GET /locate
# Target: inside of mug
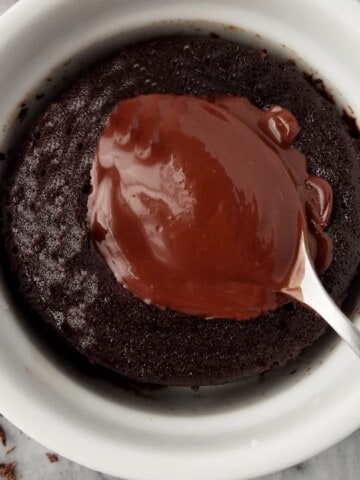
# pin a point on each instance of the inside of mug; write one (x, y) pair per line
(173, 400)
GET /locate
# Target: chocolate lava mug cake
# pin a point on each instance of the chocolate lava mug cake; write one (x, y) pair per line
(68, 259)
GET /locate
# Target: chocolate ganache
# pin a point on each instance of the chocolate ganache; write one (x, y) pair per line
(183, 212)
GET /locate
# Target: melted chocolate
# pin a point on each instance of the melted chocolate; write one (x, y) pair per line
(184, 214)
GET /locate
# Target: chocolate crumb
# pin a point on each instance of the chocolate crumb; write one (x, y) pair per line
(263, 53)
(7, 470)
(10, 450)
(22, 114)
(2, 436)
(52, 457)
(319, 86)
(351, 123)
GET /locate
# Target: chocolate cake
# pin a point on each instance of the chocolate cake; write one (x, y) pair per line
(62, 277)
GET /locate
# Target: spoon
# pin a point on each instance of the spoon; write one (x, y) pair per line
(312, 294)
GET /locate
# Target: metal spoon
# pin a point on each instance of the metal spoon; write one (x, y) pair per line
(312, 294)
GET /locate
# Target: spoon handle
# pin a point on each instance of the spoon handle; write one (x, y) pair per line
(312, 294)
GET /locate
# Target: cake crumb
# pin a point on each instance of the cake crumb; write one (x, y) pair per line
(53, 458)
(7, 470)
(2, 436)
(263, 53)
(23, 113)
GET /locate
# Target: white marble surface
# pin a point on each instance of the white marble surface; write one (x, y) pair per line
(338, 463)
(341, 462)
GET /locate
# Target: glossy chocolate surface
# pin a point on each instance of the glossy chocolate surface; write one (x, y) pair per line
(184, 214)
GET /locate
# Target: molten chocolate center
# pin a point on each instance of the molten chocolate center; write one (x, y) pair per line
(199, 205)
